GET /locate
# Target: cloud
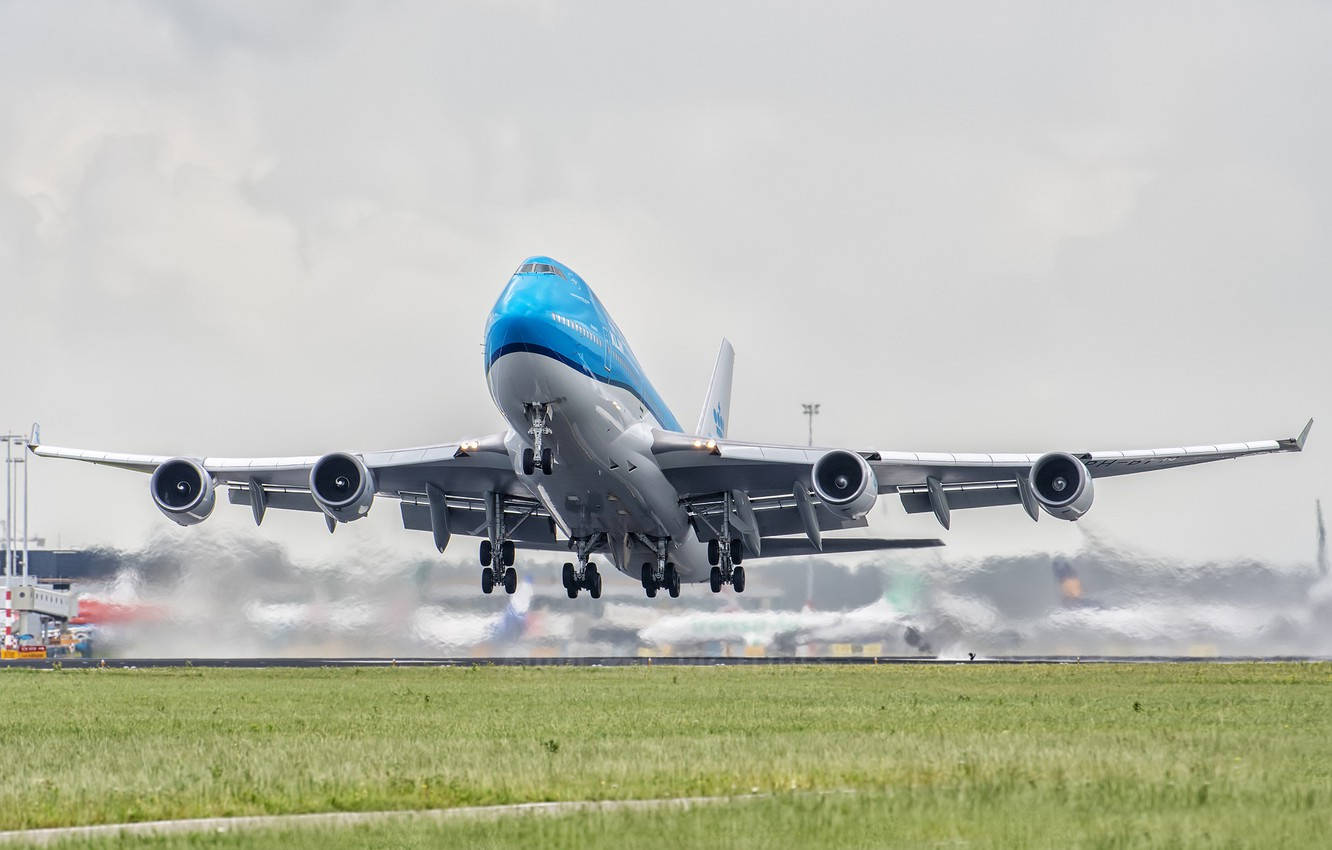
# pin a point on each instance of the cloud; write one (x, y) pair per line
(241, 229)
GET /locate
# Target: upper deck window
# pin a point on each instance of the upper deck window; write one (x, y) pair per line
(539, 268)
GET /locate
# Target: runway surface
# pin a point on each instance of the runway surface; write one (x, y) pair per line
(637, 661)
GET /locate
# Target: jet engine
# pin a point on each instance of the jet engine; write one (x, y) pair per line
(845, 483)
(1062, 485)
(342, 486)
(183, 490)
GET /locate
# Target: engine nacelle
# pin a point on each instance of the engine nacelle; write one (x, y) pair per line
(183, 490)
(343, 486)
(845, 483)
(1062, 485)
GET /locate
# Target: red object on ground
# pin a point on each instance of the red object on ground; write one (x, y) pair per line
(95, 611)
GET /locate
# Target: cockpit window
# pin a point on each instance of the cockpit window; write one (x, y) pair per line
(539, 268)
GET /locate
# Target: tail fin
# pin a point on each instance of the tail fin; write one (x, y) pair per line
(717, 406)
(1322, 540)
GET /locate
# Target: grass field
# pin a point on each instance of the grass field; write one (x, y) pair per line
(953, 755)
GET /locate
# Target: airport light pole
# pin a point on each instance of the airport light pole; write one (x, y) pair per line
(811, 410)
(11, 506)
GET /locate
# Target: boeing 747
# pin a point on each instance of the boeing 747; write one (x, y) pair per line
(593, 461)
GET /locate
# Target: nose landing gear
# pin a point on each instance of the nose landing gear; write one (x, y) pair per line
(539, 456)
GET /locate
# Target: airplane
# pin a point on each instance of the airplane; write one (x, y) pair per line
(593, 461)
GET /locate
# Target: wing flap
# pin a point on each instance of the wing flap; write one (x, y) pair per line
(986, 495)
(781, 547)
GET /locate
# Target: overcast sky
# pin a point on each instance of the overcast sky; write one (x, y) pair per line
(277, 228)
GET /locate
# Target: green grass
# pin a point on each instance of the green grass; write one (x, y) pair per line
(1164, 755)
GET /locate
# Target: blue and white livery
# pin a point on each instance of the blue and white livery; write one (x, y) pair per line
(594, 463)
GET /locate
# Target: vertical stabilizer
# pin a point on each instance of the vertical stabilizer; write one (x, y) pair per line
(717, 406)
(1322, 541)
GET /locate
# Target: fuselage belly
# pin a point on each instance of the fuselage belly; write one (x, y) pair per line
(548, 342)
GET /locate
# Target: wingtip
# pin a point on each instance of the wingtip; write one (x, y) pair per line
(1296, 444)
(1304, 436)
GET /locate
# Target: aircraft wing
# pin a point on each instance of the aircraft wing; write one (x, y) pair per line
(701, 468)
(461, 474)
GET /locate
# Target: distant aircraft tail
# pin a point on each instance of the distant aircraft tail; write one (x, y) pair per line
(1322, 540)
(717, 406)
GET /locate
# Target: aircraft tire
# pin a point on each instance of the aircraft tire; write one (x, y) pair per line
(647, 576)
(547, 461)
(714, 580)
(595, 589)
(737, 551)
(714, 552)
(738, 579)
(510, 580)
(506, 553)
(671, 581)
(651, 591)
(487, 580)
(487, 552)
(572, 590)
(529, 462)
(567, 574)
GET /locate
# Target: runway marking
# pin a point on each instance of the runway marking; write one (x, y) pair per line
(50, 835)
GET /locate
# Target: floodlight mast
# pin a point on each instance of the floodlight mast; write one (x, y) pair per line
(12, 529)
(811, 410)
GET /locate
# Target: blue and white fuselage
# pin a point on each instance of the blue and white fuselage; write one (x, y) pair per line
(549, 341)
(591, 450)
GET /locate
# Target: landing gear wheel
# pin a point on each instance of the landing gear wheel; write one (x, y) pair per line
(738, 579)
(510, 580)
(572, 590)
(714, 580)
(594, 582)
(647, 577)
(529, 462)
(671, 581)
(737, 551)
(714, 552)
(651, 591)
(487, 552)
(547, 460)
(567, 575)
(487, 580)
(506, 554)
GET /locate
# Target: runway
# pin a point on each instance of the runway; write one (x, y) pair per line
(639, 661)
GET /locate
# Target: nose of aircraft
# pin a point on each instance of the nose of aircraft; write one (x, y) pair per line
(522, 311)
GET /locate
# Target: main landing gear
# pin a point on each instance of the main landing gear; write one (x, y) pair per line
(497, 551)
(502, 573)
(726, 556)
(539, 456)
(585, 576)
(663, 575)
